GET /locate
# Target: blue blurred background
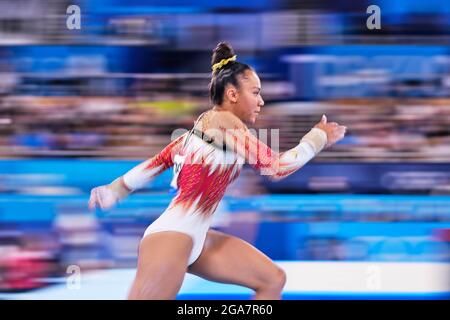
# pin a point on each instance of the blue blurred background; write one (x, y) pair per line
(369, 217)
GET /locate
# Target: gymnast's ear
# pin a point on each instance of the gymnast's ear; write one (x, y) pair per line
(231, 93)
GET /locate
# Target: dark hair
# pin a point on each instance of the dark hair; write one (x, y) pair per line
(226, 74)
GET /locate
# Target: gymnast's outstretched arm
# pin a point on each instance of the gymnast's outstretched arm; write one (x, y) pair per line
(229, 129)
(107, 196)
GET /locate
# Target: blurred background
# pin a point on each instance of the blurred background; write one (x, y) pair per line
(367, 218)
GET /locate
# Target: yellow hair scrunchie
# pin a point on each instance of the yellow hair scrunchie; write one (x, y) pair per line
(222, 62)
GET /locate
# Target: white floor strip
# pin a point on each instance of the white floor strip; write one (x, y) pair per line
(303, 277)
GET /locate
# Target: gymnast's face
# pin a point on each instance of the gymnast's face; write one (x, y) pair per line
(247, 100)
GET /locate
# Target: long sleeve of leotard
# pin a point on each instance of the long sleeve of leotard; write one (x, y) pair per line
(260, 156)
(144, 172)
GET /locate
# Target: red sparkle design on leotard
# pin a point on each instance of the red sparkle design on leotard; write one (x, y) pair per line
(257, 154)
(197, 183)
(263, 158)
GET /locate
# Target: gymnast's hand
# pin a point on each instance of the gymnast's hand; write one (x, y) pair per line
(334, 131)
(102, 197)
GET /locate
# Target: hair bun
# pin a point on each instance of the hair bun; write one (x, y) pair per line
(223, 50)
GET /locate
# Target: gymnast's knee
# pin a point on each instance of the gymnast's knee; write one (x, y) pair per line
(275, 280)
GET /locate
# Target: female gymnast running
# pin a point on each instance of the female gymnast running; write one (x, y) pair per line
(206, 160)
